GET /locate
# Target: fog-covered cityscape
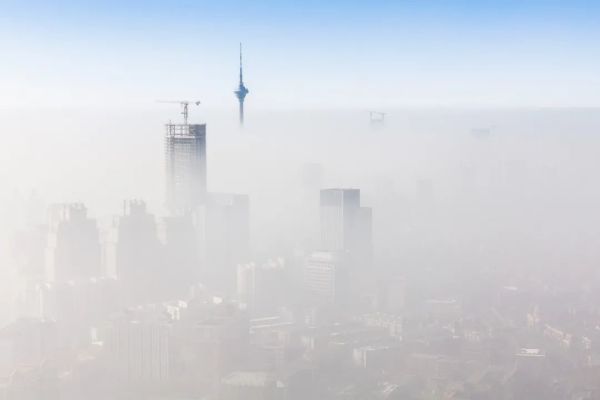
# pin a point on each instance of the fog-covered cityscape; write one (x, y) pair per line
(179, 244)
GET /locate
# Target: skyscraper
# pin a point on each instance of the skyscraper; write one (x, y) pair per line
(73, 248)
(345, 225)
(242, 91)
(262, 287)
(346, 229)
(181, 253)
(138, 252)
(226, 229)
(325, 277)
(185, 153)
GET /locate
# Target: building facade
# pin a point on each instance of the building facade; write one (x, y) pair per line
(185, 156)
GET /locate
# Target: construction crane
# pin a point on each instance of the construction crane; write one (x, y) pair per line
(184, 104)
(377, 116)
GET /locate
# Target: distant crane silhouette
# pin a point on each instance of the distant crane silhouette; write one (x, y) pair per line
(377, 117)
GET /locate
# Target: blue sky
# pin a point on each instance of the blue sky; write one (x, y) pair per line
(301, 54)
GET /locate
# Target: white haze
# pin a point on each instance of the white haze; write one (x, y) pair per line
(460, 197)
(536, 167)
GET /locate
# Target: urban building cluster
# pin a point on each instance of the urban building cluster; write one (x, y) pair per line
(178, 306)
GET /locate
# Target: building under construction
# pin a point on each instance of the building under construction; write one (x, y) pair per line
(185, 156)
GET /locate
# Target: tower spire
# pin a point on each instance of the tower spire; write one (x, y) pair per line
(241, 73)
(241, 91)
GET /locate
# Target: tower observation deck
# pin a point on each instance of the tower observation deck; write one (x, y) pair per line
(241, 91)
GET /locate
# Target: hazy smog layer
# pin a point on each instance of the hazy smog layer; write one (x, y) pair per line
(330, 252)
(299, 200)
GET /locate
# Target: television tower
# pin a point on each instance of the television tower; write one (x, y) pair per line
(242, 91)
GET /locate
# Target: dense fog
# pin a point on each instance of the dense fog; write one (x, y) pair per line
(463, 265)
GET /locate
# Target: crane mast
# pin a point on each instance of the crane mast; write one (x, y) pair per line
(184, 105)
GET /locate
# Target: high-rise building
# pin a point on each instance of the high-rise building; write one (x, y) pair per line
(241, 91)
(325, 277)
(346, 229)
(225, 225)
(138, 344)
(185, 154)
(138, 252)
(78, 305)
(73, 247)
(210, 340)
(181, 269)
(262, 287)
(345, 225)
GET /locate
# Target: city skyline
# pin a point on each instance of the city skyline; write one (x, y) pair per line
(410, 212)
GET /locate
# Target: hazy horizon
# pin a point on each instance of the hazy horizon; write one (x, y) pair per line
(398, 201)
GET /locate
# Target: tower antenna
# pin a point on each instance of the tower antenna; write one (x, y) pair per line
(242, 91)
(241, 65)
